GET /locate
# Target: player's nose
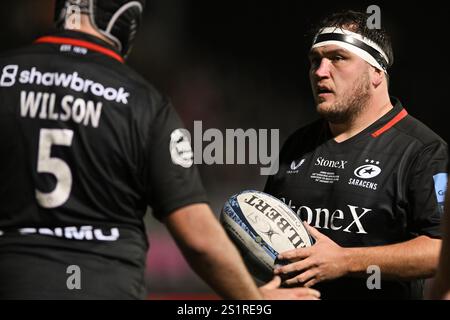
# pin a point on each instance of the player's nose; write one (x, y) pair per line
(323, 69)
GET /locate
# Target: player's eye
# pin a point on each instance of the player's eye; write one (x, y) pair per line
(337, 58)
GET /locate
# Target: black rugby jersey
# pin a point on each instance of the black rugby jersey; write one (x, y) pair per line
(383, 186)
(86, 144)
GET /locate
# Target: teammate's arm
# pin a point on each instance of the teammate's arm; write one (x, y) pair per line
(209, 252)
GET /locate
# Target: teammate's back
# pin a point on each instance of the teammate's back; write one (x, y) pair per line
(74, 138)
(81, 139)
(72, 117)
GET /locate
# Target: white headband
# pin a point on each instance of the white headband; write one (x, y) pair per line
(363, 47)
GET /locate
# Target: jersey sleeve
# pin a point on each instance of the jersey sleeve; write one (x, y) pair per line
(426, 189)
(173, 181)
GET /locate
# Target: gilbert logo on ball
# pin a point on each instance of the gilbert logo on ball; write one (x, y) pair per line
(262, 226)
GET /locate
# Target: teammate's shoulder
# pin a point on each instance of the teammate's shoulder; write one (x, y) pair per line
(416, 130)
(139, 81)
(10, 54)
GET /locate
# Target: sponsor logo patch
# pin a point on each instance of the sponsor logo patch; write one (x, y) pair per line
(295, 165)
(322, 162)
(440, 186)
(180, 149)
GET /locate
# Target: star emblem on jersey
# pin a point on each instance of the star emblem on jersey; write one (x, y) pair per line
(368, 170)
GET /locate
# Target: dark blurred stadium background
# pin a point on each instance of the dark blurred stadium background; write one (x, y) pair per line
(243, 64)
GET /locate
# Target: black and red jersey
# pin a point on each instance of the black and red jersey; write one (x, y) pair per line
(383, 186)
(86, 145)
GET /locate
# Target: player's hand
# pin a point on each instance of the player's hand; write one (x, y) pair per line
(272, 291)
(325, 260)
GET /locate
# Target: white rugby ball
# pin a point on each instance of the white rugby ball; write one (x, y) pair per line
(262, 226)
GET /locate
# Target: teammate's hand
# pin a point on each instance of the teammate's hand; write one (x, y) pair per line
(272, 291)
(325, 260)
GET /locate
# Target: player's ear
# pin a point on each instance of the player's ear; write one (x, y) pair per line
(377, 76)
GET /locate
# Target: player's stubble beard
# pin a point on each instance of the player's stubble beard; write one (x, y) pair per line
(352, 103)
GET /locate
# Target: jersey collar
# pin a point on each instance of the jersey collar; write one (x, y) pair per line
(84, 40)
(389, 120)
(375, 130)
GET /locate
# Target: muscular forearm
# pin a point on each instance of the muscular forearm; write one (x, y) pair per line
(219, 260)
(210, 253)
(416, 258)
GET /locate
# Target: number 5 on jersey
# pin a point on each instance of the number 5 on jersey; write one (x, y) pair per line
(54, 166)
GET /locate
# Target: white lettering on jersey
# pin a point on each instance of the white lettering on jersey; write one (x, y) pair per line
(75, 233)
(10, 75)
(322, 219)
(340, 164)
(78, 110)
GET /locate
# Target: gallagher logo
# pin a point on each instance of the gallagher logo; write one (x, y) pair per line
(440, 186)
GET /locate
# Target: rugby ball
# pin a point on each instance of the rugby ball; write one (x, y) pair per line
(262, 226)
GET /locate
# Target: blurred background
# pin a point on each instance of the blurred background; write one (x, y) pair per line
(243, 64)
